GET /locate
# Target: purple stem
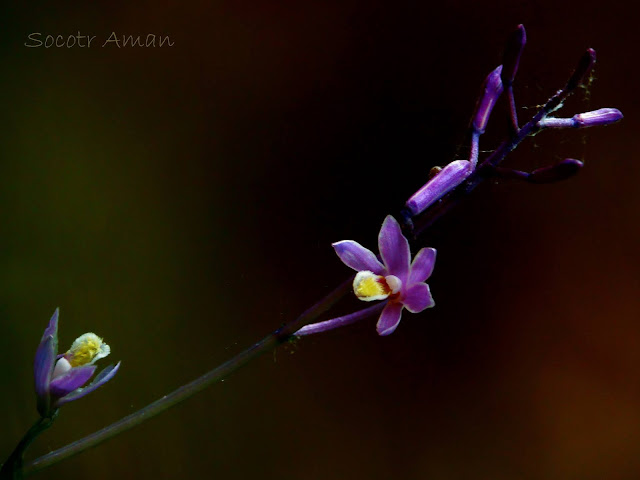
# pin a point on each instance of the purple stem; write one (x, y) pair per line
(510, 61)
(475, 148)
(267, 344)
(340, 321)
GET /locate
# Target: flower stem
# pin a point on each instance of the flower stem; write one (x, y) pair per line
(341, 321)
(267, 344)
(12, 468)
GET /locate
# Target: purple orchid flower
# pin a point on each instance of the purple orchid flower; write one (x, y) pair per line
(60, 379)
(395, 279)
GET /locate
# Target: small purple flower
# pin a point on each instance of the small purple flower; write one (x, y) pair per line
(59, 379)
(396, 279)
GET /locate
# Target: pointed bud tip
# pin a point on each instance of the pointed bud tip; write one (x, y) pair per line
(572, 163)
(585, 64)
(512, 53)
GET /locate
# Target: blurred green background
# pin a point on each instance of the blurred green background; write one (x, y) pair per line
(181, 203)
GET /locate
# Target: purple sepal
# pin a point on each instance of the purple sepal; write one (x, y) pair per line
(422, 265)
(554, 173)
(44, 364)
(492, 90)
(389, 318)
(43, 368)
(72, 380)
(602, 116)
(355, 256)
(103, 377)
(512, 54)
(52, 328)
(446, 180)
(418, 298)
(394, 248)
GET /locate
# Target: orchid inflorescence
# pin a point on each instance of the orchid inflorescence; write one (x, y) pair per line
(393, 281)
(390, 278)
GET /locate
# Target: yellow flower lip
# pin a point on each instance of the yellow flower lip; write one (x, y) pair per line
(370, 287)
(86, 349)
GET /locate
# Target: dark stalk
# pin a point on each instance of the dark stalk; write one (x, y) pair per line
(422, 221)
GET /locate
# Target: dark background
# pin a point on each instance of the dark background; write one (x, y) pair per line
(181, 203)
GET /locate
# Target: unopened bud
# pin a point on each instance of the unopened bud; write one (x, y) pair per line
(449, 178)
(492, 90)
(554, 173)
(586, 63)
(602, 116)
(512, 53)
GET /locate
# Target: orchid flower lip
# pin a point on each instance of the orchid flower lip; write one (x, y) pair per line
(87, 349)
(370, 287)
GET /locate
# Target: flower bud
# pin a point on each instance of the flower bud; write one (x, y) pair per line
(560, 171)
(602, 116)
(585, 64)
(492, 90)
(512, 53)
(446, 180)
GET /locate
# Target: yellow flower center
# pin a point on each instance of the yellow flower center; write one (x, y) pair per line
(372, 286)
(369, 287)
(86, 350)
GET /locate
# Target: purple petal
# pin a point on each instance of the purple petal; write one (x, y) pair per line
(389, 318)
(417, 298)
(52, 328)
(103, 377)
(44, 363)
(355, 256)
(394, 249)
(422, 265)
(73, 379)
